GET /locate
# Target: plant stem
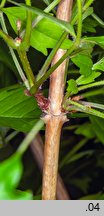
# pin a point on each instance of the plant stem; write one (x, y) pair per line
(92, 93)
(101, 22)
(20, 71)
(39, 18)
(79, 29)
(51, 70)
(25, 45)
(27, 68)
(52, 5)
(47, 10)
(95, 84)
(83, 10)
(16, 62)
(2, 3)
(26, 142)
(55, 119)
(88, 3)
(91, 104)
(11, 136)
(26, 39)
(85, 109)
(50, 57)
(65, 25)
(47, 2)
(77, 43)
(8, 40)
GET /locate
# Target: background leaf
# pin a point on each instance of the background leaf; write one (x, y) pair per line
(98, 124)
(98, 127)
(10, 174)
(15, 195)
(88, 12)
(98, 40)
(72, 86)
(6, 58)
(17, 110)
(82, 80)
(86, 130)
(10, 179)
(84, 62)
(42, 36)
(89, 25)
(99, 65)
(97, 196)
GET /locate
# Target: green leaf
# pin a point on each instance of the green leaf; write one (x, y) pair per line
(44, 37)
(47, 1)
(38, 197)
(98, 20)
(89, 25)
(79, 155)
(87, 13)
(97, 196)
(18, 111)
(101, 197)
(10, 175)
(82, 80)
(65, 25)
(81, 183)
(7, 77)
(84, 62)
(98, 127)
(72, 86)
(86, 130)
(86, 47)
(12, 170)
(99, 65)
(15, 195)
(14, 16)
(98, 124)
(45, 34)
(6, 58)
(96, 40)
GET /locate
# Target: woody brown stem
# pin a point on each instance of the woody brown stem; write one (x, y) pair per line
(55, 118)
(37, 150)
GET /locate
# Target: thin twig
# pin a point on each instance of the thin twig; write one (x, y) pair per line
(16, 62)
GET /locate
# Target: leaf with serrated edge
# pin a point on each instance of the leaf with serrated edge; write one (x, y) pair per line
(84, 62)
(99, 65)
(45, 34)
(82, 80)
